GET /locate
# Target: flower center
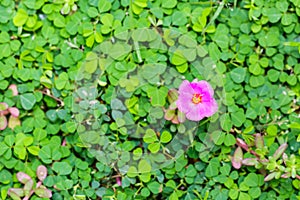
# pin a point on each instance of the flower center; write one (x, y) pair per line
(197, 98)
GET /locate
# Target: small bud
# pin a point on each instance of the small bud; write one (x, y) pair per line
(119, 182)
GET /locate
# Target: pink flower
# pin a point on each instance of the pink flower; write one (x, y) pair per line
(196, 100)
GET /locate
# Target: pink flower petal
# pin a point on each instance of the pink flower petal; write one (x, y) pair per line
(211, 108)
(184, 103)
(186, 88)
(196, 111)
(202, 86)
(194, 115)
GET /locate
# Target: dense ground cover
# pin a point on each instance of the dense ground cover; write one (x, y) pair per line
(88, 99)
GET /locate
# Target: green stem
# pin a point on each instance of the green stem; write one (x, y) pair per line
(217, 13)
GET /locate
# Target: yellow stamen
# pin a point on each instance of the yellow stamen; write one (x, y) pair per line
(197, 98)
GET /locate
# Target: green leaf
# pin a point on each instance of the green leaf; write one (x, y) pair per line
(273, 14)
(229, 140)
(104, 6)
(132, 171)
(143, 35)
(238, 75)
(119, 51)
(27, 101)
(244, 196)
(187, 41)
(39, 134)
(212, 168)
(154, 187)
(256, 81)
(191, 171)
(157, 96)
(150, 136)
(238, 118)
(255, 192)
(273, 75)
(169, 3)
(20, 18)
(4, 37)
(59, 21)
(62, 168)
(144, 166)
(251, 180)
(61, 81)
(154, 147)
(226, 122)
(165, 137)
(178, 58)
(5, 176)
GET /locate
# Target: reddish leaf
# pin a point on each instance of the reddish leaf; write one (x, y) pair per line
(43, 192)
(3, 106)
(14, 89)
(23, 177)
(28, 187)
(13, 122)
(173, 106)
(250, 161)
(237, 158)
(3, 122)
(172, 95)
(14, 111)
(41, 172)
(280, 151)
(259, 141)
(175, 120)
(17, 191)
(14, 193)
(270, 176)
(286, 175)
(169, 114)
